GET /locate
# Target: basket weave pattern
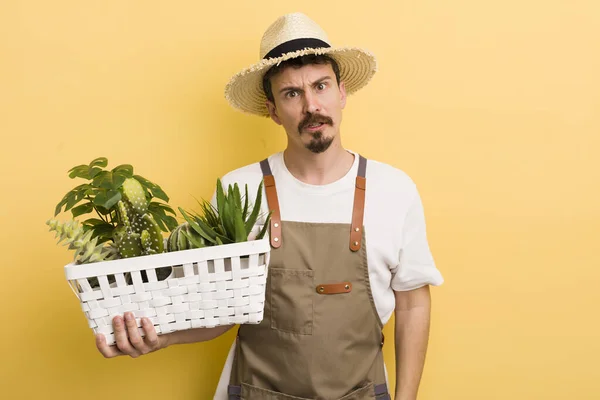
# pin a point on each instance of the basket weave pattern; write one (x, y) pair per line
(221, 285)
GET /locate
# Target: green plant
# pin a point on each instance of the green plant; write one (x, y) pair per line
(102, 193)
(130, 218)
(229, 222)
(183, 238)
(87, 249)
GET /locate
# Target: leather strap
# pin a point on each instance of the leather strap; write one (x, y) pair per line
(272, 202)
(359, 206)
(335, 288)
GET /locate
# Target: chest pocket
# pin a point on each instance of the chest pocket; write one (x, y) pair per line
(292, 294)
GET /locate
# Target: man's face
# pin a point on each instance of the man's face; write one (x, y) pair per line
(308, 103)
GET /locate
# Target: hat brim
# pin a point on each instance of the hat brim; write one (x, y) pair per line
(245, 91)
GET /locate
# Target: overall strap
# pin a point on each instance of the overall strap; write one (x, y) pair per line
(357, 212)
(272, 202)
(359, 205)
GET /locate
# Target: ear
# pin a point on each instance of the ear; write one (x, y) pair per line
(343, 94)
(273, 112)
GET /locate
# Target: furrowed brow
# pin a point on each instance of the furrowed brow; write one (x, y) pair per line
(321, 80)
(290, 88)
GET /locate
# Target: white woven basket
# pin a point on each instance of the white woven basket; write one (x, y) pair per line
(206, 287)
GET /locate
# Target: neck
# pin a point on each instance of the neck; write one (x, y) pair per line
(318, 169)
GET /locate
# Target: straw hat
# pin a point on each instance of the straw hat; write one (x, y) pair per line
(290, 36)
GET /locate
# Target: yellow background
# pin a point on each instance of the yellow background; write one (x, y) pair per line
(493, 107)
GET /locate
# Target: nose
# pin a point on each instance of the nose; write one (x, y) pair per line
(312, 104)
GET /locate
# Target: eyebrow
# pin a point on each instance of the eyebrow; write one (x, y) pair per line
(288, 88)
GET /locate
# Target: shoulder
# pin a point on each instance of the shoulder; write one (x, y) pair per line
(250, 174)
(384, 176)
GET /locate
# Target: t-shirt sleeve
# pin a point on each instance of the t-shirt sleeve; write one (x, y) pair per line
(416, 266)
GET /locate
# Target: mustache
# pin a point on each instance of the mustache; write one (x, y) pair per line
(314, 119)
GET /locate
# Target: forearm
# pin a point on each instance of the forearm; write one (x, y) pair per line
(196, 335)
(411, 334)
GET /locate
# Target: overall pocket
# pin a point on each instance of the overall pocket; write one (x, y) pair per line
(292, 293)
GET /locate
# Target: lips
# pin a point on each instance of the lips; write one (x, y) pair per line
(314, 122)
(314, 127)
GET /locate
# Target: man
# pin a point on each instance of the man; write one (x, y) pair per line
(348, 241)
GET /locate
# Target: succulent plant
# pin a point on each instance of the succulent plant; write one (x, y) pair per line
(183, 238)
(137, 232)
(87, 249)
(229, 221)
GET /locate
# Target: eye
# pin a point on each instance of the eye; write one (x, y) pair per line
(321, 86)
(291, 93)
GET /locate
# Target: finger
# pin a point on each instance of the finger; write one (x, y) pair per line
(122, 339)
(134, 334)
(106, 350)
(151, 337)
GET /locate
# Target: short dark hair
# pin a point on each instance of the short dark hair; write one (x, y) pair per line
(297, 63)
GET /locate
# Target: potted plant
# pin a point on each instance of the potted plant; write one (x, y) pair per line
(210, 270)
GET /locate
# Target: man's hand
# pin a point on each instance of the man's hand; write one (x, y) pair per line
(129, 342)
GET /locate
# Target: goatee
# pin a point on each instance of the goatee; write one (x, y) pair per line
(319, 144)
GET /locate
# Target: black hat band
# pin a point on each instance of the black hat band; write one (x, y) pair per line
(295, 45)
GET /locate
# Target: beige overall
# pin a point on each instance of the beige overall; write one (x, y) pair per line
(321, 336)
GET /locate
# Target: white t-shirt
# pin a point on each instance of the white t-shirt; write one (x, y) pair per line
(398, 254)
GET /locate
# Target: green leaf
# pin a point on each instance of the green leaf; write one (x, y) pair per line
(112, 198)
(107, 199)
(223, 239)
(230, 192)
(237, 196)
(118, 179)
(92, 191)
(226, 218)
(100, 198)
(155, 209)
(99, 162)
(254, 215)
(80, 171)
(103, 180)
(123, 169)
(108, 180)
(160, 224)
(245, 211)
(240, 229)
(193, 239)
(170, 222)
(61, 203)
(82, 209)
(210, 213)
(102, 210)
(220, 197)
(199, 227)
(103, 230)
(93, 172)
(262, 232)
(93, 222)
(165, 207)
(71, 200)
(154, 188)
(158, 211)
(159, 216)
